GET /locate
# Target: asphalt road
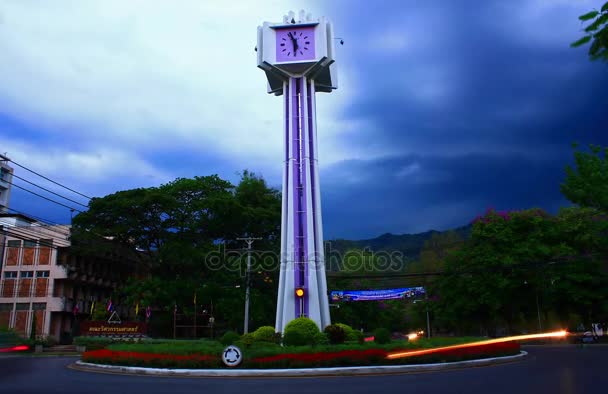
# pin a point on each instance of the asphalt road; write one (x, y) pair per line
(566, 369)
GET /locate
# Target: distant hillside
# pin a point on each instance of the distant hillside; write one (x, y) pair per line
(408, 244)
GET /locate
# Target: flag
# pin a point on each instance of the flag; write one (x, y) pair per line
(75, 309)
(148, 312)
(195, 298)
(137, 309)
(109, 307)
(175, 310)
(92, 308)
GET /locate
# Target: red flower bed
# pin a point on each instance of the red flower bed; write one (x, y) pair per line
(303, 360)
(116, 357)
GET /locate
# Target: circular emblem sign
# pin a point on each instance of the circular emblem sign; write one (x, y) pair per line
(232, 356)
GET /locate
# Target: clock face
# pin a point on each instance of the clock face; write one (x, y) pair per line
(295, 44)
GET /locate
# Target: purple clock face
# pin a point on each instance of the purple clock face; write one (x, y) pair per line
(295, 44)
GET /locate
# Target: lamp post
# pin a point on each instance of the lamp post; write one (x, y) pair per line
(249, 241)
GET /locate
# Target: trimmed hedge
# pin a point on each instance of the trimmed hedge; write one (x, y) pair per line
(269, 355)
(335, 333)
(264, 334)
(229, 338)
(301, 331)
(382, 336)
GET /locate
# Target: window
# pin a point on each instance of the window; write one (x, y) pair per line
(6, 307)
(10, 274)
(29, 243)
(13, 244)
(39, 306)
(27, 274)
(42, 274)
(22, 306)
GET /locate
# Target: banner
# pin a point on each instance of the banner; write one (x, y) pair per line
(377, 295)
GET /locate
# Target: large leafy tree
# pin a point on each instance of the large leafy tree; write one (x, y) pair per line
(596, 33)
(521, 264)
(586, 184)
(187, 228)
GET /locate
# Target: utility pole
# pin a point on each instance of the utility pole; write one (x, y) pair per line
(249, 241)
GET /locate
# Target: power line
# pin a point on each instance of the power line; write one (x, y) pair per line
(49, 191)
(44, 197)
(48, 179)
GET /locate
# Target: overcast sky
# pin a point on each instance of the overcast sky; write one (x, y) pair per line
(444, 108)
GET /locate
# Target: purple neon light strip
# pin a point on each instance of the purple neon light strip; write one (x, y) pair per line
(303, 121)
(294, 118)
(312, 164)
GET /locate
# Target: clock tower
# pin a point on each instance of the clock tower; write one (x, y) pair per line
(297, 56)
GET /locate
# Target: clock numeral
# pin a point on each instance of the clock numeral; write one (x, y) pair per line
(305, 37)
(282, 44)
(283, 50)
(307, 42)
(288, 53)
(284, 39)
(301, 53)
(305, 48)
(300, 33)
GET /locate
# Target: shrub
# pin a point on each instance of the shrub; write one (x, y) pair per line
(300, 331)
(382, 336)
(229, 338)
(351, 334)
(335, 334)
(246, 340)
(296, 338)
(320, 339)
(264, 334)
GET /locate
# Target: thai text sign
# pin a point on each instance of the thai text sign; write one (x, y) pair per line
(102, 328)
(377, 295)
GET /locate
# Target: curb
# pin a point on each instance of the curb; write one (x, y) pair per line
(300, 372)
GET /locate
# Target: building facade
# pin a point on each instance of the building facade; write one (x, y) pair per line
(50, 282)
(6, 179)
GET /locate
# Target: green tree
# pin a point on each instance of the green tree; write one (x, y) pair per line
(178, 226)
(596, 33)
(587, 183)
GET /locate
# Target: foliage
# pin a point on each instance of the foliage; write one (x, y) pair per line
(205, 354)
(382, 335)
(297, 337)
(596, 33)
(264, 334)
(306, 328)
(351, 335)
(516, 260)
(229, 338)
(187, 230)
(587, 183)
(336, 334)
(247, 340)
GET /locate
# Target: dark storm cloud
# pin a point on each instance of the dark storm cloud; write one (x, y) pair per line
(478, 107)
(363, 199)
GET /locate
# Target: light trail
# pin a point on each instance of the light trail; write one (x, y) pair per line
(554, 334)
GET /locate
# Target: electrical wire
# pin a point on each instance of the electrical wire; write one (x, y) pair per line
(48, 179)
(49, 191)
(44, 197)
